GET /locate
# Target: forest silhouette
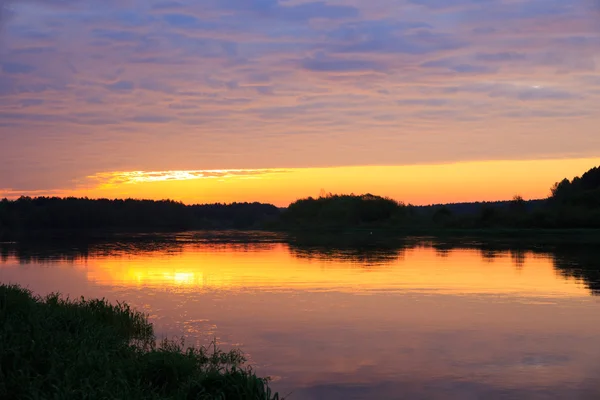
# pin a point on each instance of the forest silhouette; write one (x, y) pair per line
(572, 204)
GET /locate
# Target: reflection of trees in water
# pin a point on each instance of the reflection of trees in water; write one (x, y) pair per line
(4, 253)
(489, 255)
(367, 257)
(581, 263)
(518, 258)
(59, 251)
(44, 252)
(575, 261)
(442, 249)
(571, 261)
(362, 249)
(443, 253)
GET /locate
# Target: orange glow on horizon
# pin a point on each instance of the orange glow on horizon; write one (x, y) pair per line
(414, 184)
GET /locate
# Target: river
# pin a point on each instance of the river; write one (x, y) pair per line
(420, 320)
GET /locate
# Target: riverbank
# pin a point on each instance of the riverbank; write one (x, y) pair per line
(89, 349)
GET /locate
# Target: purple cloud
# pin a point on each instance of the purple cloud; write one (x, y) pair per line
(323, 63)
(17, 68)
(210, 84)
(121, 86)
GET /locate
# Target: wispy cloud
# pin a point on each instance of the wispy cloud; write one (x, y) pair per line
(206, 85)
(105, 179)
(13, 194)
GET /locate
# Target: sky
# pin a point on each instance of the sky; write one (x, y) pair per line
(425, 101)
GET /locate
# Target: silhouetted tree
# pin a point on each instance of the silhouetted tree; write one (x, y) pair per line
(342, 211)
(442, 216)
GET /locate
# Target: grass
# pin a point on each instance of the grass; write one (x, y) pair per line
(55, 348)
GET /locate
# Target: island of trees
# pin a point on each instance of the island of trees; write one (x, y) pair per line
(572, 204)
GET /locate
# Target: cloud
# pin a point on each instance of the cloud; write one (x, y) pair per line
(16, 68)
(554, 114)
(385, 36)
(168, 5)
(304, 11)
(252, 84)
(534, 92)
(472, 69)
(459, 67)
(31, 102)
(322, 63)
(525, 92)
(423, 102)
(23, 116)
(133, 177)
(116, 35)
(501, 56)
(14, 194)
(181, 20)
(452, 4)
(320, 9)
(538, 93)
(121, 86)
(151, 119)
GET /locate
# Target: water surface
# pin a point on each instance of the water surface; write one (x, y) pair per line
(414, 321)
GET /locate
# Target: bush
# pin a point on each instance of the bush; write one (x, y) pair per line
(54, 348)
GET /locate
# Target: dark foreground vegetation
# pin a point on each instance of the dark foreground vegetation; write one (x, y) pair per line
(573, 204)
(52, 348)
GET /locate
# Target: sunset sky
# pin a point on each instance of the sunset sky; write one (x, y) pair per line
(425, 101)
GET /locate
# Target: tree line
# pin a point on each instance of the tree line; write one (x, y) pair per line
(571, 204)
(26, 215)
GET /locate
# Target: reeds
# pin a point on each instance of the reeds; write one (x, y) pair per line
(55, 348)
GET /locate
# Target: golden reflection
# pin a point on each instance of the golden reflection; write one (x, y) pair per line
(542, 334)
(276, 267)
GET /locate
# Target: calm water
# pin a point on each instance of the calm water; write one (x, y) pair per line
(419, 321)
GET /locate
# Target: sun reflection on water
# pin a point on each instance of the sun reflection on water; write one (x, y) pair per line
(420, 317)
(278, 266)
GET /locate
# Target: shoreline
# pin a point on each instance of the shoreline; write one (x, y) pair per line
(63, 348)
(590, 234)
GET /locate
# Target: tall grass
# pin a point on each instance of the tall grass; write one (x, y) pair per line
(55, 348)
